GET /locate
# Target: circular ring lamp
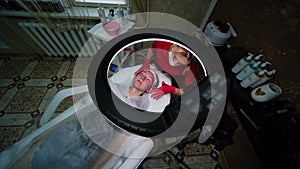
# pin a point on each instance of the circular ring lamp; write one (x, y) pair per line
(201, 106)
(122, 114)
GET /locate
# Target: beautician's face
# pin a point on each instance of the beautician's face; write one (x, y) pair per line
(144, 80)
(180, 56)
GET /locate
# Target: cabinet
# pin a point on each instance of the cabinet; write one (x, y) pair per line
(270, 126)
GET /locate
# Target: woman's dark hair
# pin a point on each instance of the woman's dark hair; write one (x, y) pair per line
(191, 58)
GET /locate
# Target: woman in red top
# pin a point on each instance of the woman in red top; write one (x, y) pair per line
(174, 60)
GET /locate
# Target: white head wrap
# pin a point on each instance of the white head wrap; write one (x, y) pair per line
(155, 78)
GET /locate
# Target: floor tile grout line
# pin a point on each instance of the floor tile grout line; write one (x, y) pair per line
(24, 67)
(29, 69)
(37, 82)
(9, 119)
(6, 82)
(7, 98)
(63, 69)
(19, 125)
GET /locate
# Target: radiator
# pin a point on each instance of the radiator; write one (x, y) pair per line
(57, 43)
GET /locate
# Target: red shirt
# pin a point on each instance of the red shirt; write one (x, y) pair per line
(161, 53)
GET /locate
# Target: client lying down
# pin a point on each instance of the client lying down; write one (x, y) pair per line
(134, 89)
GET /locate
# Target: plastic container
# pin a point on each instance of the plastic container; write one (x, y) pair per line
(256, 58)
(267, 77)
(264, 65)
(248, 70)
(242, 63)
(266, 92)
(114, 68)
(112, 28)
(111, 15)
(120, 12)
(102, 14)
(254, 77)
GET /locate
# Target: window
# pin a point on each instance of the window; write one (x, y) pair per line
(102, 1)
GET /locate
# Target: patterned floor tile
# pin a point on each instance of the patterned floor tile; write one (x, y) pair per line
(69, 73)
(10, 135)
(27, 99)
(10, 119)
(197, 149)
(79, 69)
(12, 68)
(37, 82)
(2, 91)
(46, 69)
(64, 68)
(194, 162)
(155, 163)
(68, 82)
(6, 82)
(203, 166)
(29, 69)
(7, 97)
(199, 159)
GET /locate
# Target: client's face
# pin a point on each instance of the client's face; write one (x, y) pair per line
(144, 80)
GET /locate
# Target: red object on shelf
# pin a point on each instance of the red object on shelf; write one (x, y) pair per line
(112, 28)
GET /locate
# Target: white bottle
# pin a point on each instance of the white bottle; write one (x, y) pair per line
(258, 74)
(122, 19)
(102, 15)
(256, 58)
(266, 77)
(242, 63)
(111, 15)
(264, 65)
(127, 10)
(249, 69)
(120, 12)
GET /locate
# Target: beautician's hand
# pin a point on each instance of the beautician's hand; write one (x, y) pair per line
(161, 91)
(145, 66)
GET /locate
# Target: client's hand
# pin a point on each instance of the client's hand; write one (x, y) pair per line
(146, 65)
(164, 89)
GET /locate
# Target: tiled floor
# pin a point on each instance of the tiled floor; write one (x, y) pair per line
(26, 88)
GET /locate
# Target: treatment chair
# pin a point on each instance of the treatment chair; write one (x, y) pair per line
(62, 142)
